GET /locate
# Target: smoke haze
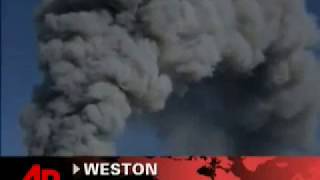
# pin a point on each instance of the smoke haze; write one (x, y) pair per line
(213, 76)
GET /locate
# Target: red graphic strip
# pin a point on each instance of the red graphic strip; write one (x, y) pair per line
(233, 168)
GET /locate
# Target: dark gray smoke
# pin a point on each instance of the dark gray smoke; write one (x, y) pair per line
(241, 76)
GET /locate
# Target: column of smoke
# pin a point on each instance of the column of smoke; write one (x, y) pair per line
(241, 75)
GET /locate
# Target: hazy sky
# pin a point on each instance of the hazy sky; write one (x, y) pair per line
(19, 74)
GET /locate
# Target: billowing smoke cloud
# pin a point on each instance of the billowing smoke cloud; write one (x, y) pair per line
(241, 76)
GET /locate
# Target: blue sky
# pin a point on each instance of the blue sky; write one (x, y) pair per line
(19, 74)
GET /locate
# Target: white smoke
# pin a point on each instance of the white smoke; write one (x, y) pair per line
(104, 60)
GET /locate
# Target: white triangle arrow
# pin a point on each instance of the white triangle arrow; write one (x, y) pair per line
(75, 169)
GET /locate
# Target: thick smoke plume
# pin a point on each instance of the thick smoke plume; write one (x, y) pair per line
(241, 76)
